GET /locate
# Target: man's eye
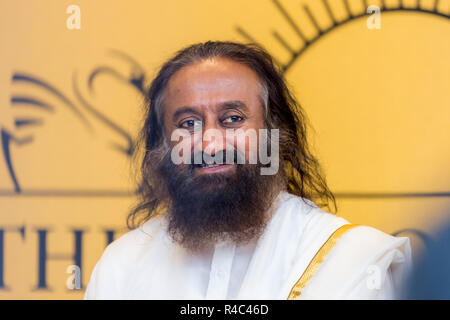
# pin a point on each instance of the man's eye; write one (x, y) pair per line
(232, 119)
(190, 124)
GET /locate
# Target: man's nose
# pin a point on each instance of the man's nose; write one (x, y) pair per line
(214, 140)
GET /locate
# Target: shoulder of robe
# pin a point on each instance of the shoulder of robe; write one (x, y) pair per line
(305, 219)
(364, 240)
(376, 249)
(304, 208)
(318, 223)
(299, 228)
(360, 255)
(131, 245)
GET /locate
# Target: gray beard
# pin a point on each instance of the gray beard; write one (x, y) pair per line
(205, 209)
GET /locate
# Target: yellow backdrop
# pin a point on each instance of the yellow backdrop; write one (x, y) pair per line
(71, 104)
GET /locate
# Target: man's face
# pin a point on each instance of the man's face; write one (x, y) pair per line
(208, 202)
(215, 96)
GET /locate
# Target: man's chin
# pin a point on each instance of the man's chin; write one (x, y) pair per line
(215, 182)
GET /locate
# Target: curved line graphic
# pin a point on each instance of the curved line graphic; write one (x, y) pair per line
(6, 139)
(295, 54)
(124, 56)
(128, 150)
(136, 79)
(23, 100)
(287, 66)
(102, 70)
(17, 77)
(21, 122)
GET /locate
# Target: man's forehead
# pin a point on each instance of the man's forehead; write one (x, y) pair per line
(212, 82)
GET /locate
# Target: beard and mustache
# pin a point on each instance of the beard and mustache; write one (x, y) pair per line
(203, 209)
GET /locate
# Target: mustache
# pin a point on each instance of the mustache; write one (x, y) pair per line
(202, 158)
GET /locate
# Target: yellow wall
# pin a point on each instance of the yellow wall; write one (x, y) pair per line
(378, 100)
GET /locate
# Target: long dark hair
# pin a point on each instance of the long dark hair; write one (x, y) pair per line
(302, 170)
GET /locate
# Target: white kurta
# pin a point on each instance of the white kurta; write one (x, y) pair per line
(364, 264)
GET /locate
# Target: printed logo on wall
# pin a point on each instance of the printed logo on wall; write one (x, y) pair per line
(76, 102)
(90, 117)
(136, 79)
(326, 19)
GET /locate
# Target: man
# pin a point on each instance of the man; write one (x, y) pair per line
(213, 223)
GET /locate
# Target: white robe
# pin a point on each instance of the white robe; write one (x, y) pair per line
(364, 264)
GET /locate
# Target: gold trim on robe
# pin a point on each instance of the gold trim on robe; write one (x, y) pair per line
(317, 260)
